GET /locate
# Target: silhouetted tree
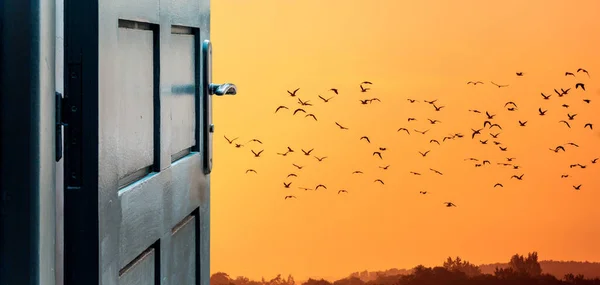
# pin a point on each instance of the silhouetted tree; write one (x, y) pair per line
(220, 278)
(463, 266)
(321, 281)
(353, 280)
(529, 266)
(520, 271)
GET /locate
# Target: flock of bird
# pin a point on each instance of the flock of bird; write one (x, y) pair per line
(489, 124)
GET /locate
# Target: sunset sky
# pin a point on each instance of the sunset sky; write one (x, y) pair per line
(409, 49)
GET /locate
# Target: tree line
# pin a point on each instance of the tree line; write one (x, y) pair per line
(519, 270)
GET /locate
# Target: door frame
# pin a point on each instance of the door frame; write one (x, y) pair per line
(27, 147)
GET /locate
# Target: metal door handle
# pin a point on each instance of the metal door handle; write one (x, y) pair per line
(222, 89)
(209, 89)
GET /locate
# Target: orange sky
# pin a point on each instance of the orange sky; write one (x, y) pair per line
(409, 49)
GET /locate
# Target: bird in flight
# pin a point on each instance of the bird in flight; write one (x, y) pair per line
(307, 153)
(577, 187)
(293, 93)
(311, 115)
(404, 129)
(334, 90)
(542, 112)
(424, 153)
(384, 167)
(363, 89)
(566, 123)
(281, 107)
(299, 110)
(546, 97)
(498, 185)
(325, 100)
(519, 73)
(366, 138)
(304, 103)
(474, 82)
(230, 141)
(320, 158)
(289, 196)
(450, 204)
(342, 191)
(251, 170)
(287, 185)
(588, 125)
(377, 153)
(584, 71)
(320, 185)
(518, 177)
(580, 85)
(569, 73)
(436, 171)
(437, 108)
(380, 181)
(341, 127)
(256, 154)
(499, 86)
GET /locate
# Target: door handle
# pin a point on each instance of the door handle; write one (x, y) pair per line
(209, 89)
(222, 89)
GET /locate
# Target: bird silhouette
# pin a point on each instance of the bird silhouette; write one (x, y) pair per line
(299, 110)
(584, 71)
(230, 141)
(474, 82)
(311, 115)
(293, 93)
(281, 107)
(325, 100)
(257, 154)
(341, 127)
(498, 85)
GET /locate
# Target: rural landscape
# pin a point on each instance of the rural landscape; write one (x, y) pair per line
(518, 270)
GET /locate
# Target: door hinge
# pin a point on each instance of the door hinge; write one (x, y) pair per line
(59, 124)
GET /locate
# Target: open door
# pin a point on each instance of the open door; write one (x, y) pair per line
(138, 141)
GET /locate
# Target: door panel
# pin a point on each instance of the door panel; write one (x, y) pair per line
(133, 100)
(145, 184)
(182, 74)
